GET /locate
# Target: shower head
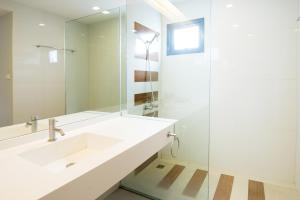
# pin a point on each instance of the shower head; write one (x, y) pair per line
(148, 37)
(156, 35)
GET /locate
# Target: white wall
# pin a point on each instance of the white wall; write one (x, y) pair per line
(38, 86)
(254, 89)
(77, 67)
(92, 72)
(5, 69)
(185, 90)
(104, 70)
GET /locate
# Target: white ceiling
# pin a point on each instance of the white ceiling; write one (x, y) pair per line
(72, 8)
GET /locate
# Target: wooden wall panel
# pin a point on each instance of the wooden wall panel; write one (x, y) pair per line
(142, 98)
(140, 30)
(144, 76)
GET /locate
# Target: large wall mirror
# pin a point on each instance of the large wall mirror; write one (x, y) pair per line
(58, 59)
(92, 63)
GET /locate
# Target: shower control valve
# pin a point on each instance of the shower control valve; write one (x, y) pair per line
(171, 134)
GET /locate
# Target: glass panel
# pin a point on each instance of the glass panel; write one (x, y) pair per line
(170, 86)
(93, 70)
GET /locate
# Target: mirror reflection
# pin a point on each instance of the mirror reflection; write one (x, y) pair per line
(92, 63)
(57, 62)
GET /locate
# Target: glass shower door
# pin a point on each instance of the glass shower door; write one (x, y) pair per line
(168, 76)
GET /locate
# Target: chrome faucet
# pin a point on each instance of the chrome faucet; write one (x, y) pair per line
(53, 130)
(33, 123)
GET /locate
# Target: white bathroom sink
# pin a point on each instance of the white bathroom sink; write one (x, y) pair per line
(60, 155)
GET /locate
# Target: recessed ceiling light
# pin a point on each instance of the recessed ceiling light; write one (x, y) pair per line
(105, 12)
(229, 6)
(42, 24)
(96, 8)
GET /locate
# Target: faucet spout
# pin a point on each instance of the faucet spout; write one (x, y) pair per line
(33, 123)
(60, 131)
(53, 130)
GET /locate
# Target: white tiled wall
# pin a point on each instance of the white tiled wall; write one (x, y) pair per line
(77, 67)
(92, 72)
(104, 65)
(254, 89)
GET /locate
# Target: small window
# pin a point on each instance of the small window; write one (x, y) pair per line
(53, 58)
(185, 37)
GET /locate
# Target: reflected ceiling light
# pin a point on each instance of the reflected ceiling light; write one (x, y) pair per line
(235, 25)
(166, 8)
(96, 8)
(229, 6)
(42, 24)
(105, 12)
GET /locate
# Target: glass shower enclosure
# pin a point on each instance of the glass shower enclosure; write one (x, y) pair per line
(167, 73)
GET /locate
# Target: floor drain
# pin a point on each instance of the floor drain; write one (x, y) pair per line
(70, 164)
(160, 166)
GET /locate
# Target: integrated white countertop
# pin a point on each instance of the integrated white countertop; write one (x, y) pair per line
(19, 130)
(139, 139)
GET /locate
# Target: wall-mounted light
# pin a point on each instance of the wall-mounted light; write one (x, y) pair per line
(42, 24)
(96, 8)
(105, 12)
